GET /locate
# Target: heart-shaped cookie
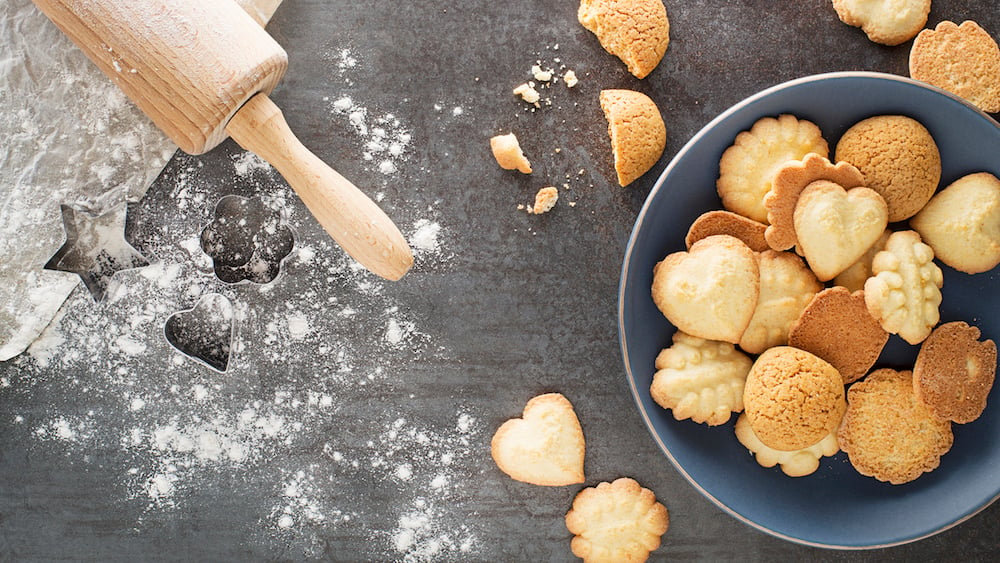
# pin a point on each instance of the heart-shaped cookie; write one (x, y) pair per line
(204, 333)
(711, 290)
(543, 447)
(834, 227)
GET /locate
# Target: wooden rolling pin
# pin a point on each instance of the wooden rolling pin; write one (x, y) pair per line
(202, 70)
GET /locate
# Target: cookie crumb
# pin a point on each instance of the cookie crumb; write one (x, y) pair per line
(570, 79)
(545, 200)
(528, 93)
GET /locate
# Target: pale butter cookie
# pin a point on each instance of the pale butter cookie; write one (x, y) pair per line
(543, 447)
(795, 463)
(888, 433)
(954, 372)
(854, 277)
(786, 287)
(615, 522)
(700, 379)
(635, 31)
(709, 291)
(834, 227)
(747, 168)
(962, 223)
(638, 135)
(962, 59)
(721, 222)
(792, 398)
(904, 291)
(889, 22)
(898, 158)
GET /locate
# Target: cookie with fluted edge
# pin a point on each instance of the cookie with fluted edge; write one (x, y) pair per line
(543, 447)
(788, 183)
(792, 398)
(954, 372)
(700, 379)
(888, 22)
(722, 222)
(787, 285)
(898, 158)
(837, 327)
(638, 134)
(962, 59)
(904, 291)
(962, 223)
(888, 433)
(709, 291)
(635, 31)
(795, 463)
(747, 167)
(616, 521)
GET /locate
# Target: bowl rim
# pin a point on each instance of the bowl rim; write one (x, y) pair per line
(623, 278)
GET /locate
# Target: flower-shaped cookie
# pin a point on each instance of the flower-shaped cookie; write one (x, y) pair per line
(700, 379)
(246, 241)
(617, 521)
(794, 463)
(905, 291)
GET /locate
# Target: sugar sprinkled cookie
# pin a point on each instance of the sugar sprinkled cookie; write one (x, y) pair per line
(700, 379)
(954, 372)
(635, 31)
(786, 287)
(722, 222)
(615, 522)
(795, 463)
(962, 59)
(837, 327)
(962, 223)
(898, 158)
(638, 135)
(747, 167)
(904, 291)
(543, 447)
(888, 433)
(889, 22)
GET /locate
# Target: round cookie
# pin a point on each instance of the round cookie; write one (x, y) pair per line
(962, 223)
(889, 22)
(954, 372)
(888, 433)
(638, 134)
(635, 31)
(897, 157)
(792, 398)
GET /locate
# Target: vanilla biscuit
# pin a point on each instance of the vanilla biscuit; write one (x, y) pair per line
(700, 379)
(954, 372)
(792, 398)
(795, 463)
(748, 166)
(897, 157)
(788, 183)
(904, 291)
(855, 276)
(888, 433)
(635, 31)
(709, 291)
(962, 59)
(543, 447)
(786, 287)
(889, 22)
(638, 135)
(507, 152)
(721, 222)
(617, 521)
(962, 223)
(834, 227)
(837, 327)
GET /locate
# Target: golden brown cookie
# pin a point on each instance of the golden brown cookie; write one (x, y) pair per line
(709, 291)
(617, 521)
(796, 463)
(721, 222)
(837, 327)
(637, 132)
(543, 447)
(897, 157)
(888, 433)
(788, 183)
(635, 31)
(889, 22)
(954, 372)
(786, 287)
(792, 398)
(962, 59)
(904, 291)
(747, 168)
(962, 223)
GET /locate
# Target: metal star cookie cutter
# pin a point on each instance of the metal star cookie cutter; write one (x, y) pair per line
(246, 241)
(205, 332)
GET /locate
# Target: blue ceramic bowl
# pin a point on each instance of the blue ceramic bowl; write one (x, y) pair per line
(835, 507)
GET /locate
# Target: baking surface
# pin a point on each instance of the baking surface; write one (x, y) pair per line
(355, 418)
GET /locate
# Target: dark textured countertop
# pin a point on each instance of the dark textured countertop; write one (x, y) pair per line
(354, 421)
